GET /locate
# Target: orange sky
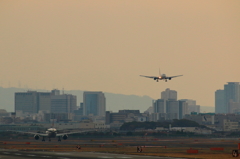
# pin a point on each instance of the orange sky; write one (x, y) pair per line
(105, 45)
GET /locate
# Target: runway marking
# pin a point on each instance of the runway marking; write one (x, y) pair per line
(18, 154)
(45, 156)
(62, 153)
(105, 157)
(6, 152)
(31, 155)
(124, 157)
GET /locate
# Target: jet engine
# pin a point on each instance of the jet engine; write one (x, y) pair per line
(65, 137)
(36, 137)
(170, 78)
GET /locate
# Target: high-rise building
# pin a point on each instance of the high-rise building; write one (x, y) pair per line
(189, 101)
(183, 109)
(157, 117)
(65, 103)
(32, 101)
(219, 101)
(169, 94)
(231, 93)
(172, 109)
(192, 107)
(159, 106)
(44, 101)
(94, 103)
(233, 107)
(26, 102)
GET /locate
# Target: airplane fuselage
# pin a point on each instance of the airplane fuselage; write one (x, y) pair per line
(51, 134)
(162, 77)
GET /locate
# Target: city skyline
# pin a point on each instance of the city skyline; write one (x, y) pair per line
(105, 46)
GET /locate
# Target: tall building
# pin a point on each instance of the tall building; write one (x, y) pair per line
(231, 93)
(94, 103)
(192, 107)
(159, 106)
(183, 109)
(32, 101)
(169, 94)
(219, 101)
(157, 117)
(233, 107)
(172, 109)
(65, 103)
(189, 101)
(44, 101)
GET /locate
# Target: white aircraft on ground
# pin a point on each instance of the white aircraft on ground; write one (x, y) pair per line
(161, 77)
(52, 133)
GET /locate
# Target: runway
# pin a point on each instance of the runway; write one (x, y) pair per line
(12, 154)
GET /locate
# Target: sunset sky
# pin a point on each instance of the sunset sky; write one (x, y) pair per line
(104, 45)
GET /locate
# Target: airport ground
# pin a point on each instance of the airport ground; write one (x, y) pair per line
(124, 147)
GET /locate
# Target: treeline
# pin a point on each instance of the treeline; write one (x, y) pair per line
(131, 126)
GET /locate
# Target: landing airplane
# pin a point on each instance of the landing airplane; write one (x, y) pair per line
(161, 77)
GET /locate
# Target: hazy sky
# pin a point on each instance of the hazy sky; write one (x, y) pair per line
(105, 45)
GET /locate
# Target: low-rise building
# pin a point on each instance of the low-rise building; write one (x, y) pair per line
(195, 130)
(230, 125)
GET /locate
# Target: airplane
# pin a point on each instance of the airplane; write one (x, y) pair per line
(161, 77)
(52, 133)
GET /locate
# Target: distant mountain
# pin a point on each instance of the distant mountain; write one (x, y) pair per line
(114, 102)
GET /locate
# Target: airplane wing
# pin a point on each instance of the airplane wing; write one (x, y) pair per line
(174, 76)
(32, 133)
(68, 133)
(149, 76)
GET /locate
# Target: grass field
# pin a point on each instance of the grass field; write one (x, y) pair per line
(165, 147)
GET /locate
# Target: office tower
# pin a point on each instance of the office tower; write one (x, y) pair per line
(32, 101)
(44, 101)
(189, 101)
(94, 103)
(172, 109)
(233, 107)
(65, 103)
(55, 92)
(108, 117)
(183, 109)
(159, 106)
(231, 93)
(192, 107)
(169, 94)
(219, 101)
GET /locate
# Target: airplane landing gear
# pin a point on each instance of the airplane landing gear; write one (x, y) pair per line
(49, 139)
(59, 139)
(43, 139)
(165, 80)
